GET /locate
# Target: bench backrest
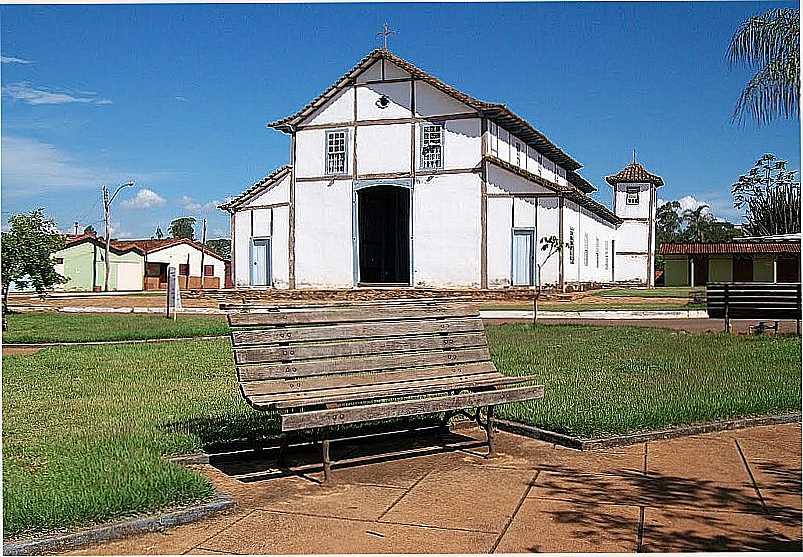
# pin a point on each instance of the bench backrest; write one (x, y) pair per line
(292, 349)
(753, 300)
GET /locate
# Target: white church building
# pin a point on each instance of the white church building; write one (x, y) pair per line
(397, 179)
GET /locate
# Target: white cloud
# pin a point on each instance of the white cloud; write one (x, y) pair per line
(24, 92)
(179, 98)
(30, 167)
(13, 60)
(190, 204)
(144, 199)
(691, 203)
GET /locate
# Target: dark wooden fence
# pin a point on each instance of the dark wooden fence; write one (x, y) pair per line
(754, 300)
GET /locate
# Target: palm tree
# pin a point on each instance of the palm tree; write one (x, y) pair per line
(696, 221)
(769, 44)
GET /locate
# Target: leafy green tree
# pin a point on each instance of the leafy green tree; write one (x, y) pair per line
(221, 246)
(770, 196)
(90, 230)
(769, 44)
(183, 227)
(159, 234)
(26, 253)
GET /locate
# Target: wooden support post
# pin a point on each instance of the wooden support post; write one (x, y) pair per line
(727, 317)
(327, 463)
(799, 303)
(489, 432)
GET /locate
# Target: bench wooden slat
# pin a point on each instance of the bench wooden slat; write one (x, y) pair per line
(412, 389)
(360, 347)
(275, 386)
(246, 337)
(369, 412)
(411, 381)
(351, 364)
(351, 314)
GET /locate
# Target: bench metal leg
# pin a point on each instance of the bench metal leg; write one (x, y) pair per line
(282, 458)
(327, 463)
(489, 431)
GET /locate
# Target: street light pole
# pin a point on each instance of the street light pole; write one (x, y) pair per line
(107, 203)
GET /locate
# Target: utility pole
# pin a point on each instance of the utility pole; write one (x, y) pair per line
(203, 252)
(107, 203)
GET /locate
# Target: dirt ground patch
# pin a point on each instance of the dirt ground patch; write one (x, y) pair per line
(19, 350)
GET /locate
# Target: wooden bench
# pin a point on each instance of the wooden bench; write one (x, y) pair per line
(754, 301)
(327, 365)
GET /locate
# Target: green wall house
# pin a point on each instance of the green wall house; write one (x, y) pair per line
(82, 262)
(770, 259)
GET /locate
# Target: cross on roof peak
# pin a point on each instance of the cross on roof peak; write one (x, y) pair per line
(385, 33)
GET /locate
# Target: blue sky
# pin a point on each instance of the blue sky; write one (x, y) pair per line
(176, 97)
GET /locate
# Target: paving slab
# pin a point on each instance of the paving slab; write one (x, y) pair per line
(473, 497)
(532, 497)
(526, 453)
(264, 532)
(672, 530)
(172, 541)
(638, 489)
(560, 527)
(366, 502)
(701, 457)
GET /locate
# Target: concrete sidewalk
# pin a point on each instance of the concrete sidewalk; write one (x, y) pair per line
(729, 491)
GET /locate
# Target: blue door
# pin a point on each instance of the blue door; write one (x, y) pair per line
(260, 262)
(522, 257)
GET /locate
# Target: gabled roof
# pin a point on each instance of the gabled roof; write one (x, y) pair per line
(256, 188)
(497, 112)
(634, 173)
(115, 246)
(152, 245)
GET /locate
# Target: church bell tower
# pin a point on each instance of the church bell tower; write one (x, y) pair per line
(634, 201)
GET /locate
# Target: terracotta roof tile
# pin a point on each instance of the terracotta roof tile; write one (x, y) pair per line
(728, 248)
(634, 173)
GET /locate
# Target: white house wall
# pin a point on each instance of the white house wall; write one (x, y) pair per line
(397, 93)
(180, 254)
(548, 225)
(339, 108)
(500, 226)
(446, 222)
(384, 148)
(431, 102)
(323, 234)
(277, 193)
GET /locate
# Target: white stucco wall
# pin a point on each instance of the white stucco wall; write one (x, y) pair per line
(182, 253)
(323, 240)
(446, 231)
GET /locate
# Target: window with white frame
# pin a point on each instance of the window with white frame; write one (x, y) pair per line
(606, 255)
(585, 250)
(571, 245)
(632, 195)
(597, 250)
(518, 154)
(431, 146)
(494, 138)
(336, 159)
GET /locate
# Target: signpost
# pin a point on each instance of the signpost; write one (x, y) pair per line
(173, 292)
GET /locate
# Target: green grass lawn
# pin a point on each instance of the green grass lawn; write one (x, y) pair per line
(85, 427)
(72, 327)
(611, 380)
(657, 292)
